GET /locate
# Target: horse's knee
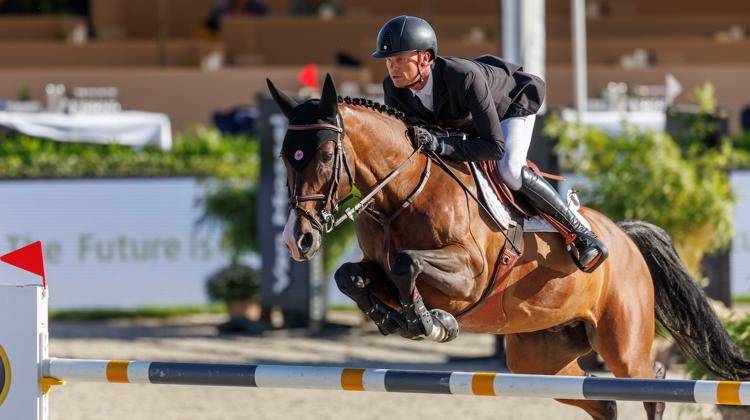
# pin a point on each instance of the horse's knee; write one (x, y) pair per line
(349, 280)
(407, 264)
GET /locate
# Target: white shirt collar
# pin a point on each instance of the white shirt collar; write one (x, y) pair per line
(426, 90)
(425, 95)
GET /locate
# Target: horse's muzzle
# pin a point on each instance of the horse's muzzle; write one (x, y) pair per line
(308, 243)
(301, 238)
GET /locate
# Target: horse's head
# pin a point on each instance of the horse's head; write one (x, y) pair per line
(315, 160)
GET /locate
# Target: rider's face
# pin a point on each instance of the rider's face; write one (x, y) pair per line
(404, 68)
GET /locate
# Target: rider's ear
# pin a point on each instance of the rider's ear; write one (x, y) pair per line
(329, 98)
(285, 103)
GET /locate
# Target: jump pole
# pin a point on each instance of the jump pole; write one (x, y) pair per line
(395, 380)
(27, 373)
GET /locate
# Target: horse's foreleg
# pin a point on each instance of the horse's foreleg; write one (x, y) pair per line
(355, 281)
(449, 271)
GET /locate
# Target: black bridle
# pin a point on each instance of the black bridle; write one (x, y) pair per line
(326, 220)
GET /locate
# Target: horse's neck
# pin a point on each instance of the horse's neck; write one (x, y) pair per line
(379, 147)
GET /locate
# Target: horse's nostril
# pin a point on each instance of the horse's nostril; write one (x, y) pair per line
(305, 242)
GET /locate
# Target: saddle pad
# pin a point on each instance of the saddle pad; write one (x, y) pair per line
(501, 215)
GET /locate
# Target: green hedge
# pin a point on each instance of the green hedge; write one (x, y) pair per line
(200, 152)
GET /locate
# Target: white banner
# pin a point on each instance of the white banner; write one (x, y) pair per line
(739, 258)
(112, 242)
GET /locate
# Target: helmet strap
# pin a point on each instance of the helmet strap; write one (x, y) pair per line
(420, 78)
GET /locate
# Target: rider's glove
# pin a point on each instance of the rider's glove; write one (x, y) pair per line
(426, 140)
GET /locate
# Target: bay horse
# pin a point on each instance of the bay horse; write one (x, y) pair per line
(427, 244)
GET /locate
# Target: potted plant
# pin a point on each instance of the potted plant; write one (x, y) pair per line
(237, 285)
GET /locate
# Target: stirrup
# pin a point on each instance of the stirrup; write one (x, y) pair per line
(570, 237)
(603, 254)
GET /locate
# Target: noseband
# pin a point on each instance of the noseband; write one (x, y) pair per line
(326, 220)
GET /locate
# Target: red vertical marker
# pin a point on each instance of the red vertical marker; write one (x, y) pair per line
(308, 77)
(29, 258)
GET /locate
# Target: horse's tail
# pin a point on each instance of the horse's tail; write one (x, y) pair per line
(682, 307)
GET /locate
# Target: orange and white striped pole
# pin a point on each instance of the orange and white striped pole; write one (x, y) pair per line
(396, 380)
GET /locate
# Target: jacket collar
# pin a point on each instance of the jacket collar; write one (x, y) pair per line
(412, 104)
(439, 92)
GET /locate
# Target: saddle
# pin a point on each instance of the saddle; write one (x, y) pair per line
(489, 308)
(513, 200)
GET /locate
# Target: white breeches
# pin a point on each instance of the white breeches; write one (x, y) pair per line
(517, 133)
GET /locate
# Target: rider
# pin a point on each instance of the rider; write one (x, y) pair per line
(491, 100)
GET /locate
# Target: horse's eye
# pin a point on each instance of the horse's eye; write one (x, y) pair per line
(326, 156)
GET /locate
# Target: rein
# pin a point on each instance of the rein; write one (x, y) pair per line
(481, 205)
(327, 221)
(386, 221)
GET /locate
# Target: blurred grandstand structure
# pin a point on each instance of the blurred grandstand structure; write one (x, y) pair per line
(162, 56)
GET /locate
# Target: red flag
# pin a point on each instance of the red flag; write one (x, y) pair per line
(29, 258)
(308, 77)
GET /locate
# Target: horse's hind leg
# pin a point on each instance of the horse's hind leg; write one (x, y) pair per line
(356, 280)
(626, 346)
(556, 353)
(654, 410)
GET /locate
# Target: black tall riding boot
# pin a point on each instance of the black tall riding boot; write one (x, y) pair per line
(589, 249)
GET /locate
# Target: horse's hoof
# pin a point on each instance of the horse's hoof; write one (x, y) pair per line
(447, 322)
(660, 372)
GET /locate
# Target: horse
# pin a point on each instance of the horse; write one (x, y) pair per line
(427, 244)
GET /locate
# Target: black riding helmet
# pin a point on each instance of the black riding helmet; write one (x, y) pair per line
(403, 34)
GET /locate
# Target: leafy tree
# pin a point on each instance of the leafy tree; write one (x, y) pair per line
(635, 175)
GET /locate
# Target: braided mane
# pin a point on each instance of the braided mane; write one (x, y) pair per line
(392, 111)
(382, 108)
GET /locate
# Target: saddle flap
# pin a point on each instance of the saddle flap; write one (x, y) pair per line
(489, 196)
(490, 171)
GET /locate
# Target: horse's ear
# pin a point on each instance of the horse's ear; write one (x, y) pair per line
(329, 98)
(284, 102)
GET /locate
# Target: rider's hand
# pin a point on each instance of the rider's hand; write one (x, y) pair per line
(426, 140)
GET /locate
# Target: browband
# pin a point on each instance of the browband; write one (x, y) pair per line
(308, 127)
